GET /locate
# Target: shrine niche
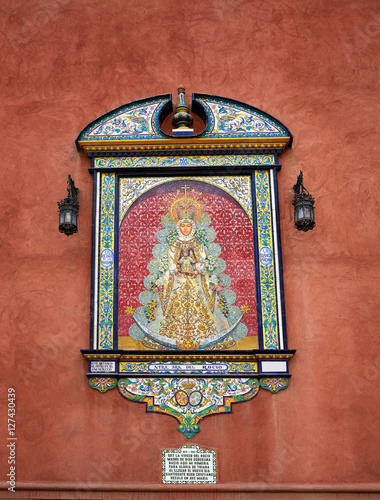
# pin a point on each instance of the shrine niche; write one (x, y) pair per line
(186, 267)
(187, 295)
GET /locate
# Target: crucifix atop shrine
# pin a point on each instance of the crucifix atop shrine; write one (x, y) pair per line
(185, 188)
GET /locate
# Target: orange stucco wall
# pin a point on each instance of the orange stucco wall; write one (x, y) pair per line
(312, 65)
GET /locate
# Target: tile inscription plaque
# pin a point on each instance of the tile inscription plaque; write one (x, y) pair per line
(189, 465)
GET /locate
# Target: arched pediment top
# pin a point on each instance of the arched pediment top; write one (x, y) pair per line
(135, 129)
(135, 120)
(230, 118)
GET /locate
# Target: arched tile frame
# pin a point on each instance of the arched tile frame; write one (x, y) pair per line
(236, 153)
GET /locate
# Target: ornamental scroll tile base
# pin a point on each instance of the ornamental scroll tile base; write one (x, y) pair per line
(189, 400)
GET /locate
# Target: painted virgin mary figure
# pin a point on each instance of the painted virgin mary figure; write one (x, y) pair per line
(187, 304)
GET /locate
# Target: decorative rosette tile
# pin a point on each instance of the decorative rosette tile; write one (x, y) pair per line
(103, 384)
(273, 384)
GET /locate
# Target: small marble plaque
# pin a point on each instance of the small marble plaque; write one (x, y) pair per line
(189, 465)
(102, 366)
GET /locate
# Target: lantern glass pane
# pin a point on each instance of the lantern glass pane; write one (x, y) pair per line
(68, 217)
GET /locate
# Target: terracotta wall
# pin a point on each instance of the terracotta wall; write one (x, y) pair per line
(312, 65)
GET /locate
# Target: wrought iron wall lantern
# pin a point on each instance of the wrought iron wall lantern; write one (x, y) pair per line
(68, 209)
(303, 206)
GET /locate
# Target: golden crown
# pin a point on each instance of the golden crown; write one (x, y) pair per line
(188, 384)
(185, 207)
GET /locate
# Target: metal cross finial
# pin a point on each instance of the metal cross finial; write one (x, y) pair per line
(185, 188)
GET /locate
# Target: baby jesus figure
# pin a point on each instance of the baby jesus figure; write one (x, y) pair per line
(186, 264)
